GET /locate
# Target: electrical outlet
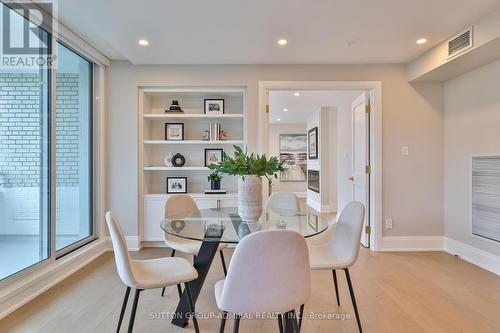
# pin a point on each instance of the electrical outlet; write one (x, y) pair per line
(405, 151)
(388, 223)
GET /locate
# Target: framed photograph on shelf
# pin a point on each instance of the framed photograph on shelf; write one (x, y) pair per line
(214, 106)
(174, 131)
(176, 185)
(312, 143)
(213, 156)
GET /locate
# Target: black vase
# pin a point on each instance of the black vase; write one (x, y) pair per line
(215, 184)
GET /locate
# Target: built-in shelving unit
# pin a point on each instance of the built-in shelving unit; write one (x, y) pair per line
(183, 168)
(153, 148)
(194, 142)
(158, 116)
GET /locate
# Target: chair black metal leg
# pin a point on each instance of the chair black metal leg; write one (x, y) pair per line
(134, 309)
(191, 308)
(179, 290)
(124, 306)
(223, 322)
(223, 262)
(280, 322)
(301, 314)
(172, 254)
(236, 324)
(290, 320)
(336, 286)
(351, 291)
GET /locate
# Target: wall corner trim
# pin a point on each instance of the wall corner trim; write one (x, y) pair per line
(483, 259)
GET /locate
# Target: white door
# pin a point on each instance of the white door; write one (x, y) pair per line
(361, 158)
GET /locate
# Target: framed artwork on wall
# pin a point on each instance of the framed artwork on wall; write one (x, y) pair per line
(312, 143)
(214, 106)
(293, 155)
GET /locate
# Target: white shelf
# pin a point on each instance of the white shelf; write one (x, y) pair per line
(165, 168)
(193, 142)
(232, 195)
(163, 116)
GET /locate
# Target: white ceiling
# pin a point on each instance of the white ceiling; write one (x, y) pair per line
(245, 32)
(302, 106)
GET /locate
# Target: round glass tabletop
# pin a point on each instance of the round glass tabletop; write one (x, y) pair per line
(224, 224)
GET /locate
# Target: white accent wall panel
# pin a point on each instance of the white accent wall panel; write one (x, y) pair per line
(486, 197)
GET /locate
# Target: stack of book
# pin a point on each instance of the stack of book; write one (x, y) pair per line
(214, 131)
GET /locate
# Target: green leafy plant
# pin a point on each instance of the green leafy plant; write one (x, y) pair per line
(215, 176)
(243, 164)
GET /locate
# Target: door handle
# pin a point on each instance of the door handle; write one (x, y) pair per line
(351, 178)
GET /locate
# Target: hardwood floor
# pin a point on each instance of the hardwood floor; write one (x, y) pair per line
(396, 292)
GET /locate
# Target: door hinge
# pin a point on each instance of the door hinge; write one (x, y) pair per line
(368, 169)
(368, 230)
(367, 108)
(267, 108)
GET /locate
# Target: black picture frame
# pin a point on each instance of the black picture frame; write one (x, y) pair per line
(167, 125)
(218, 100)
(312, 151)
(213, 149)
(169, 191)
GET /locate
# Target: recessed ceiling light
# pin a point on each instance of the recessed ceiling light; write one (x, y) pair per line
(143, 42)
(278, 119)
(422, 41)
(296, 94)
(285, 110)
(282, 42)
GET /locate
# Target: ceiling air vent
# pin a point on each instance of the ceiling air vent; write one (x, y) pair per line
(459, 43)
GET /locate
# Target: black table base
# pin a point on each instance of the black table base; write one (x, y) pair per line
(202, 263)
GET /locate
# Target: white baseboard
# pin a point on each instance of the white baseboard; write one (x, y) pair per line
(412, 243)
(21, 291)
(483, 259)
(133, 243)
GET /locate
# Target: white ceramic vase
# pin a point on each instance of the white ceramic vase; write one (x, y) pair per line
(250, 198)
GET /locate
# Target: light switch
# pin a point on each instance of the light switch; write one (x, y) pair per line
(388, 223)
(405, 151)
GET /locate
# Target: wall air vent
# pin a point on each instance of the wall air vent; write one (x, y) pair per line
(460, 43)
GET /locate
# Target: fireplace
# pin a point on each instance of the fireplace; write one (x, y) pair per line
(313, 180)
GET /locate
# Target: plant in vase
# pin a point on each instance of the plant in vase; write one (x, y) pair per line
(250, 169)
(215, 178)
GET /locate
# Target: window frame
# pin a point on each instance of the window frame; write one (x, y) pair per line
(96, 163)
(93, 235)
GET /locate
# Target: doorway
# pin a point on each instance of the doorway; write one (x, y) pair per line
(345, 119)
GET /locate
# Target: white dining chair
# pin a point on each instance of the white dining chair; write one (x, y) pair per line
(183, 205)
(269, 273)
(341, 249)
(283, 200)
(147, 274)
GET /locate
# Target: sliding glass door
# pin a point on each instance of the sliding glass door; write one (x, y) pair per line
(24, 156)
(46, 155)
(73, 148)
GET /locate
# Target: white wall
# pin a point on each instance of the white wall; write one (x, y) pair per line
(412, 115)
(275, 130)
(471, 127)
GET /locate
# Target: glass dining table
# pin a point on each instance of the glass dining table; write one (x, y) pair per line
(223, 225)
